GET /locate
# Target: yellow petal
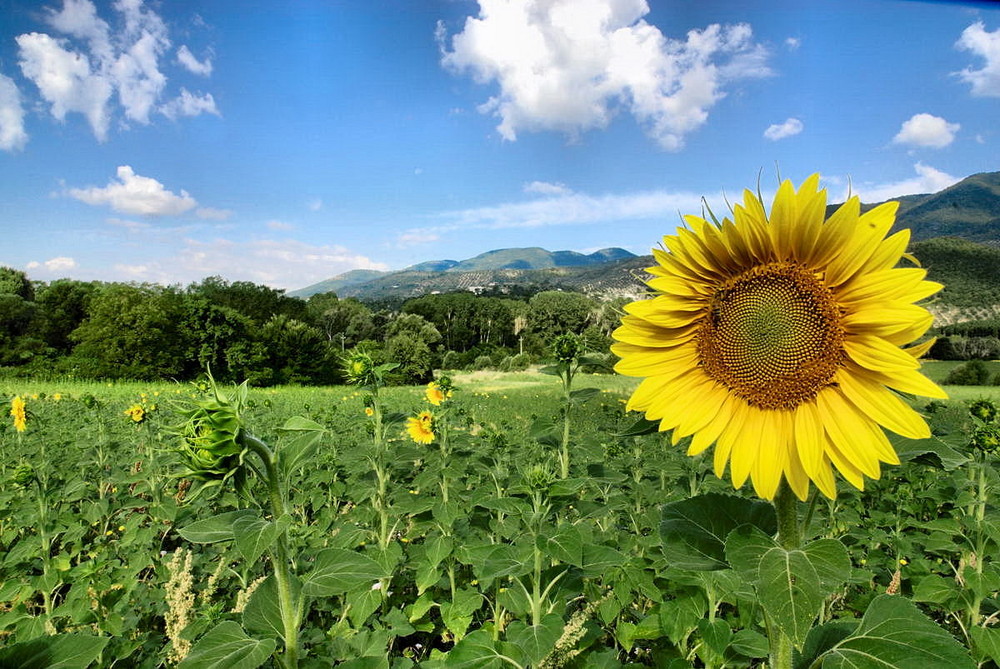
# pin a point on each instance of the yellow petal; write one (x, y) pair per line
(848, 431)
(706, 436)
(890, 284)
(809, 439)
(711, 398)
(920, 350)
(772, 459)
(880, 404)
(888, 253)
(795, 475)
(645, 361)
(905, 381)
(837, 231)
(724, 445)
(877, 354)
(747, 445)
(885, 318)
(783, 221)
(870, 229)
(846, 468)
(824, 479)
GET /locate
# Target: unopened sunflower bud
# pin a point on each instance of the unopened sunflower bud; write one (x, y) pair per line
(986, 438)
(210, 441)
(24, 475)
(984, 410)
(567, 347)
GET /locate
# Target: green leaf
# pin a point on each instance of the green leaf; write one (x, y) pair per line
(750, 644)
(254, 535)
(640, 427)
(61, 651)
(716, 633)
(305, 436)
(337, 570)
(476, 651)
(536, 641)
(598, 559)
(694, 530)
(832, 563)
(438, 548)
(214, 529)
(789, 590)
(894, 634)
(935, 589)
(457, 614)
(546, 432)
(502, 560)
(262, 614)
(987, 641)
(822, 638)
(227, 646)
(745, 546)
(932, 449)
(566, 545)
(583, 394)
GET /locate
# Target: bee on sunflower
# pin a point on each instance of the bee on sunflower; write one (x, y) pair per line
(784, 339)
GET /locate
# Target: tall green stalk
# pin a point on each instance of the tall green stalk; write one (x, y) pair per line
(790, 538)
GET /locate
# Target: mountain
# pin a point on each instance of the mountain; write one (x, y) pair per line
(500, 266)
(968, 211)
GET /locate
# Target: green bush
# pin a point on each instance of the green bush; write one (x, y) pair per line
(972, 373)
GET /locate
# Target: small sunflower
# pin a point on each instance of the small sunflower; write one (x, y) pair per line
(136, 412)
(421, 427)
(369, 412)
(782, 339)
(19, 413)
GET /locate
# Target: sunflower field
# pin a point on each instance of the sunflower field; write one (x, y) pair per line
(106, 561)
(787, 486)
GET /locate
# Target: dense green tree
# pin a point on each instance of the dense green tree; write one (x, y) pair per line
(132, 332)
(220, 339)
(257, 302)
(466, 320)
(344, 322)
(63, 305)
(553, 312)
(296, 353)
(15, 282)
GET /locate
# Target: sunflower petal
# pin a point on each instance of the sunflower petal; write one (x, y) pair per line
(848, 431)
(879, 404)
(877, 354)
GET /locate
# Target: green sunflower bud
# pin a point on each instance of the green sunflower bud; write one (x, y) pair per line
(360, 369)
(986, 439)
(210, 443)
(984, 410)
(539, 477)
(24, 475)
(567, 347)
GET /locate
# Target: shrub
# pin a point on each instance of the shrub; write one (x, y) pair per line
(972, 373)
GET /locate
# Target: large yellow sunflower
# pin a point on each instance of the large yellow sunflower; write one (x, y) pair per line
(19, 414)
(781, 339)
(421, 427)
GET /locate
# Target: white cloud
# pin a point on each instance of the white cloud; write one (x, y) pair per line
(279, 225)
(569, 65)
(12, 134)
(52, 266)
(90, 64)
(416, 237)
(315, 204)
(287, 264)
(212, 214)
(137, 195)
(926, 130)
(569, 209)
(928, 180)
(546, 188)
(131, 226)
(188, 104)
(192, 64)
(985, 81)
(793, 43)
(792, 126)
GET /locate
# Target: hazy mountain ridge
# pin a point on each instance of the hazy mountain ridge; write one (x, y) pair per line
(968, 211)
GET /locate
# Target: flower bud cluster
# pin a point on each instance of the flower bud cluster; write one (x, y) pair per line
(210, 436)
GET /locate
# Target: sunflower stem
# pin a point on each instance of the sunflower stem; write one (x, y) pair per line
(790, 538)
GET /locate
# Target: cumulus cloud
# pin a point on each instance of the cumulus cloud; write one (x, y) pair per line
(287, 264)
(192, 64)
(53, 265)
(985, 81)
(926, 130)
(90, 64)
(188, 104)
(928, 180)
(12, 134)
(131, 193)
(793, 43)
(570, 65)
(792, 126)
(546, 188)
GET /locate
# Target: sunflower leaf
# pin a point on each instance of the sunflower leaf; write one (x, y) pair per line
(694, 530)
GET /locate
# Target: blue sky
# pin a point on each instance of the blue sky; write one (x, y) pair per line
(284, 143)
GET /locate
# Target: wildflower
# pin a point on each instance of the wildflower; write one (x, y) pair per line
(780, 338)
(421, 427)
(439, 391)
(180, 603)
(136, 412)
(18, 412)
(369, 412)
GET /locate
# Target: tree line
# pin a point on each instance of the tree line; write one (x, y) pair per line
(246, 331)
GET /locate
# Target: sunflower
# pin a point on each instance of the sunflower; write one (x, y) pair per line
(421, 427)
(136, 412)
(434, 394)
(782, 340)
(19, 414)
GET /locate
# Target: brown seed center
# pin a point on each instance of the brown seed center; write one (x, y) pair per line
(773, 336)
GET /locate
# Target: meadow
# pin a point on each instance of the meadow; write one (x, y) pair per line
(474, 550)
